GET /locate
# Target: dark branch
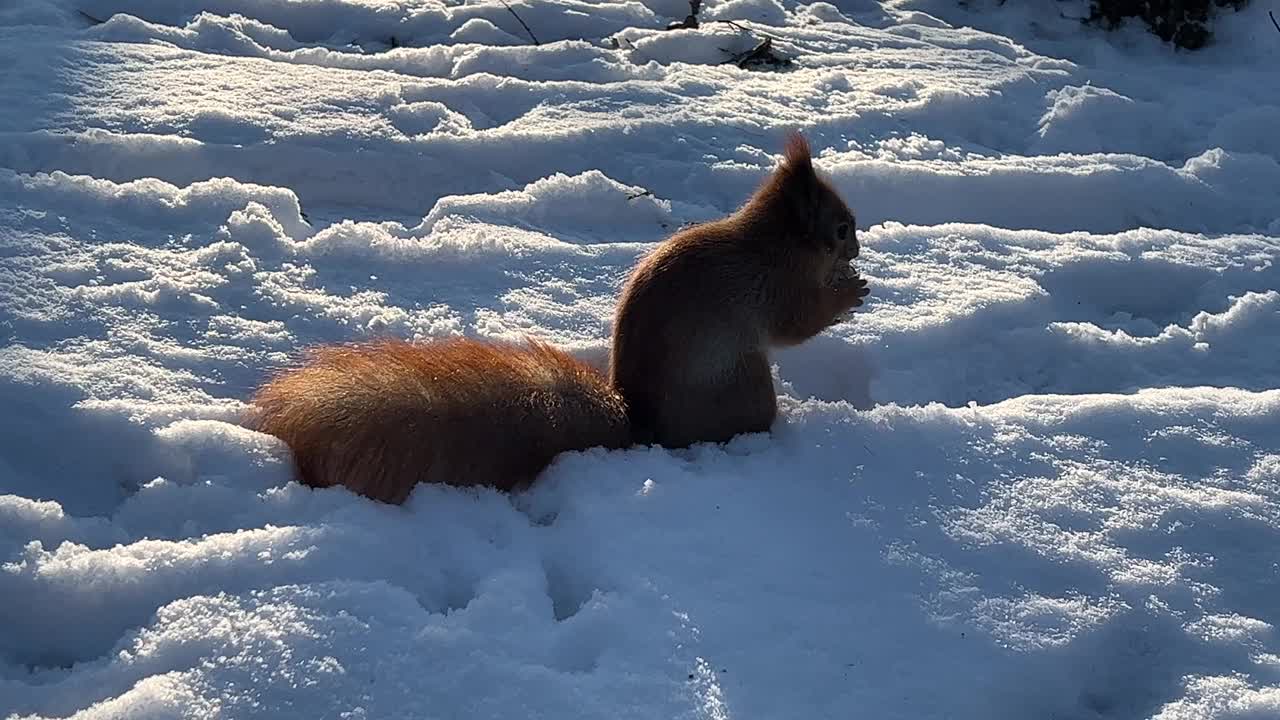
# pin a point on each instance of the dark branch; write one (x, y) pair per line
(690, 22)
(521, 21)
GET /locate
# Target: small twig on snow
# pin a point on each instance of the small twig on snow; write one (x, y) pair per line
(761, 53)
(748, 30)
(1273, 19)
(521, 21)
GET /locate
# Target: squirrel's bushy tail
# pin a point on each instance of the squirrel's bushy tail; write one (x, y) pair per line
(380, 417)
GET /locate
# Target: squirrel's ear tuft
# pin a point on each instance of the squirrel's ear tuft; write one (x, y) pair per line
(797, 152)
(799, 186)
(790, 195)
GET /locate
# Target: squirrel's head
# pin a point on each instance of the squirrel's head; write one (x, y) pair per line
(810, 211)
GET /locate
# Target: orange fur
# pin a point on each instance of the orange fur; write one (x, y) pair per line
(380, 417)
(698, 316)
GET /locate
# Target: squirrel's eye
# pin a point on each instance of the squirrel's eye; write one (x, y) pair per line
(842, 231)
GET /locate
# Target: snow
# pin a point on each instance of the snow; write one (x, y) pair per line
(1036, 475)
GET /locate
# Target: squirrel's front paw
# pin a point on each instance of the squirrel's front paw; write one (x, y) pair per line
(852, 288)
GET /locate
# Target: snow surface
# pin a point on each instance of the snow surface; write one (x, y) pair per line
(1036, 476)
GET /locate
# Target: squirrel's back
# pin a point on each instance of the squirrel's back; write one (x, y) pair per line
(380, 417)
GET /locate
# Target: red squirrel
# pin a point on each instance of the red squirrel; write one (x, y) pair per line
(698, 316)
(688, 361)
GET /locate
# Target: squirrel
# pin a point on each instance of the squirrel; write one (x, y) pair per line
(697, 317)
(688, 361)
(381, 416)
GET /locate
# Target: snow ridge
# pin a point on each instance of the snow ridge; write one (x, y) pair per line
(1037, 475)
